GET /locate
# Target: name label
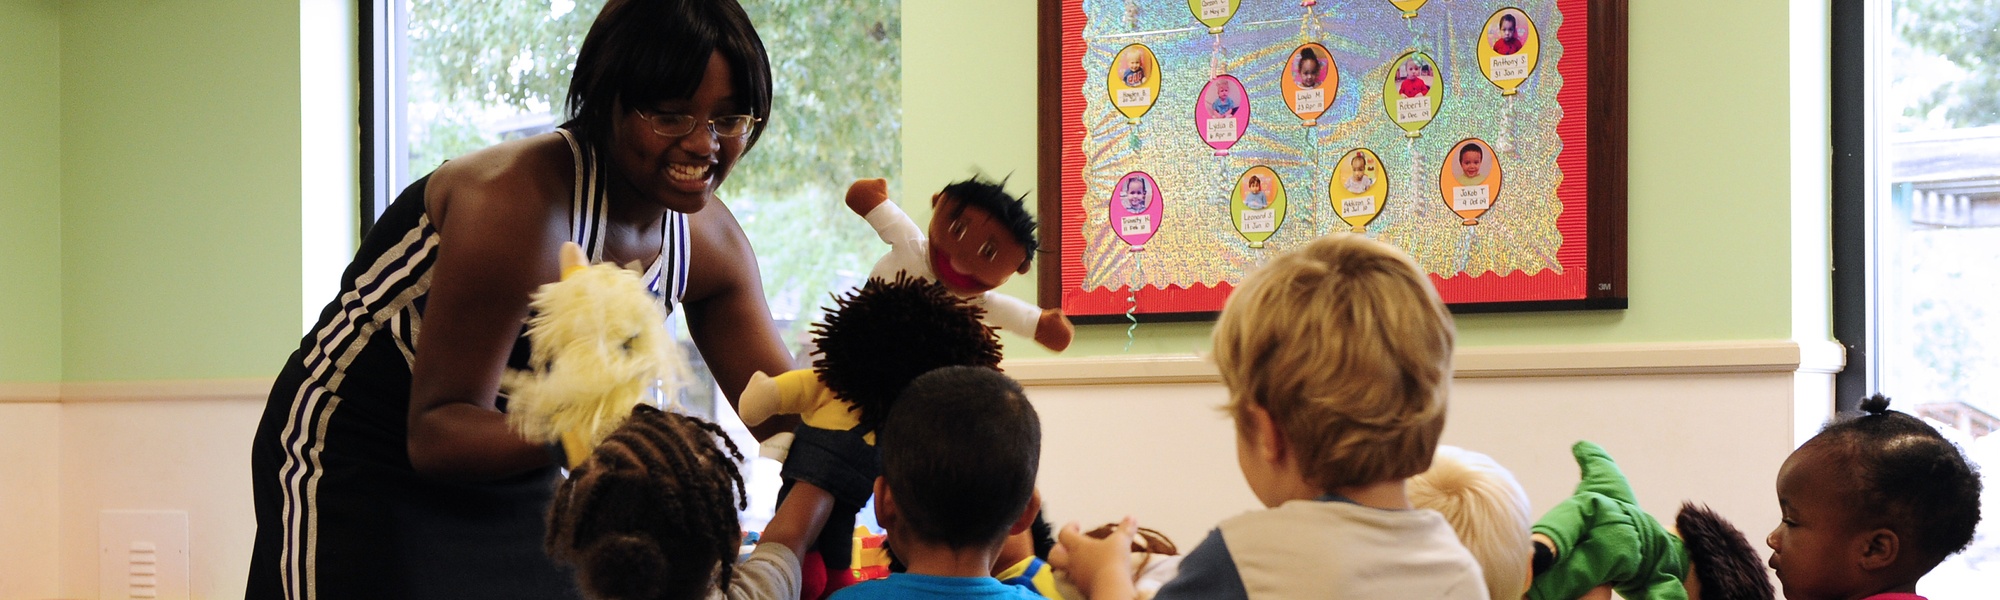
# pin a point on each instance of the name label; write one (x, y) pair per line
(1260, 221)
(1414, 110)
(1471, 197)
(1221, 130)
(1133, 97)
(1508, 68)
(1310, 101)
(1357, 207)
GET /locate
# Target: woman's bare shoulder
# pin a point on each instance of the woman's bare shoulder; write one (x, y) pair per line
(531, 175)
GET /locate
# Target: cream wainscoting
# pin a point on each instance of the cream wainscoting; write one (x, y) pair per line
(1122, 435)
(1709, 422)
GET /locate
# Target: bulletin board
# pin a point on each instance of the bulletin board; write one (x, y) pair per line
(1185, 142)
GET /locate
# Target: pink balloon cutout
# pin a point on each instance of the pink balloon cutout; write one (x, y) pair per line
(1136, 227)
(1204, 109)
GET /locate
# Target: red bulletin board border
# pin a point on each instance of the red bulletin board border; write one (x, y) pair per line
(1592, 191)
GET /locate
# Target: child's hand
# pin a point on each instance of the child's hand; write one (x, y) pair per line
(1101, 568)
(1053, 330)
(865, 194)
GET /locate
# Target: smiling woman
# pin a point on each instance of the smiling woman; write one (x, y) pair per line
(383, 466)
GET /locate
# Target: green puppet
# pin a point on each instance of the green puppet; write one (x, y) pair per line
(1600, 538)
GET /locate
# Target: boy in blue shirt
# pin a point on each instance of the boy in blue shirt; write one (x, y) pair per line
(959, 455)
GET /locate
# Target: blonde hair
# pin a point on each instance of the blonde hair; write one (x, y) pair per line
(1487, 508)
(1347, 346)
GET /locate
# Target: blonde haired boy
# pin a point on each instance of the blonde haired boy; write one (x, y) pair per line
(1337, 357)
(1487, 508)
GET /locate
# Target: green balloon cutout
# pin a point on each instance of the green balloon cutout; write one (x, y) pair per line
(1213, 13)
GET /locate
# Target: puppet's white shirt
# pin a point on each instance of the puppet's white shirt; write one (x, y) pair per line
(909, 251)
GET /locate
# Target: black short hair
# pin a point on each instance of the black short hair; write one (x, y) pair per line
(652, 512)
(1509, 19)
(1473, 148)
(641, 52)
(1907, 475)
(993, 198)
(959, 454)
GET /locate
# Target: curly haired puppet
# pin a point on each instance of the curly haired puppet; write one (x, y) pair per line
(598, 346)
(871, 345)
(979, 236)
(1599, 537)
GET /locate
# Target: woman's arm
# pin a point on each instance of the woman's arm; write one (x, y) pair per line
(498, 240)
(726, 313)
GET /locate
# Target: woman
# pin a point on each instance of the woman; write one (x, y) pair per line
(383, 467)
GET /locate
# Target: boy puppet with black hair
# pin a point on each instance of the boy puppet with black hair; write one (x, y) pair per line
(978, 236)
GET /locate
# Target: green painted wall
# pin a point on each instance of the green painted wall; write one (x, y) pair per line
(30, 192)
(1710, 216)
(180, 188)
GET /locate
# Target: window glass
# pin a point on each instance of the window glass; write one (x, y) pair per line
(1936, 257)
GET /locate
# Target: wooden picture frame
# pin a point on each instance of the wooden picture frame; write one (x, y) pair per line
(1589, 179)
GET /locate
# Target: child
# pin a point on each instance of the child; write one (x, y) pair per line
(1486, 508)
(959, 455)
(651, 514)
(1336, 356)
(979, 237)
(1870, 505)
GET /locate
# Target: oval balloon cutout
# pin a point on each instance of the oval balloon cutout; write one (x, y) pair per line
(1359, 188)
(1222, 113)
(1310, 82)
(1258, 206)
(1213, 13)
(1470, 179)
(1137, 208)
(1413, 91)
(1134, 81)
(1508, 50)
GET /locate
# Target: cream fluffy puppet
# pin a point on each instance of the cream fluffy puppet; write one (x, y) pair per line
(1487, 509)
(598, 346)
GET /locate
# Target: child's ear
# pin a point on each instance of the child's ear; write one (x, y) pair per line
(1879, 549)
(1027, 518)
(885, 505)
(1268, 439)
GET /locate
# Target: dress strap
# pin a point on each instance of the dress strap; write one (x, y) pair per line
(588, 210)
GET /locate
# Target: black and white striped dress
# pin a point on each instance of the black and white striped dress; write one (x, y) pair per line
(340, 512)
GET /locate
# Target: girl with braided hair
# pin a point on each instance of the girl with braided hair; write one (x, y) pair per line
(651, 515)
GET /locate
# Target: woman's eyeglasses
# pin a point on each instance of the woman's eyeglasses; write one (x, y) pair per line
(676, 124)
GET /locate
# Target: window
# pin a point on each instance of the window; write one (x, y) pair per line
(1916, 128)
(446, 77)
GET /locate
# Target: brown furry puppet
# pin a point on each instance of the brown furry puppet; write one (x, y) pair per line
(1599, 537)
(871, 345)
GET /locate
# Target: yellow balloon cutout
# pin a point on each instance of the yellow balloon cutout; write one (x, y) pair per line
(1359, 188)
(1409, 7)
(1309, 82)
(1509, 47)
(1215, 13)
(1257, 207)
(1134, 81)
(1470, 180)
(1413, 91)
